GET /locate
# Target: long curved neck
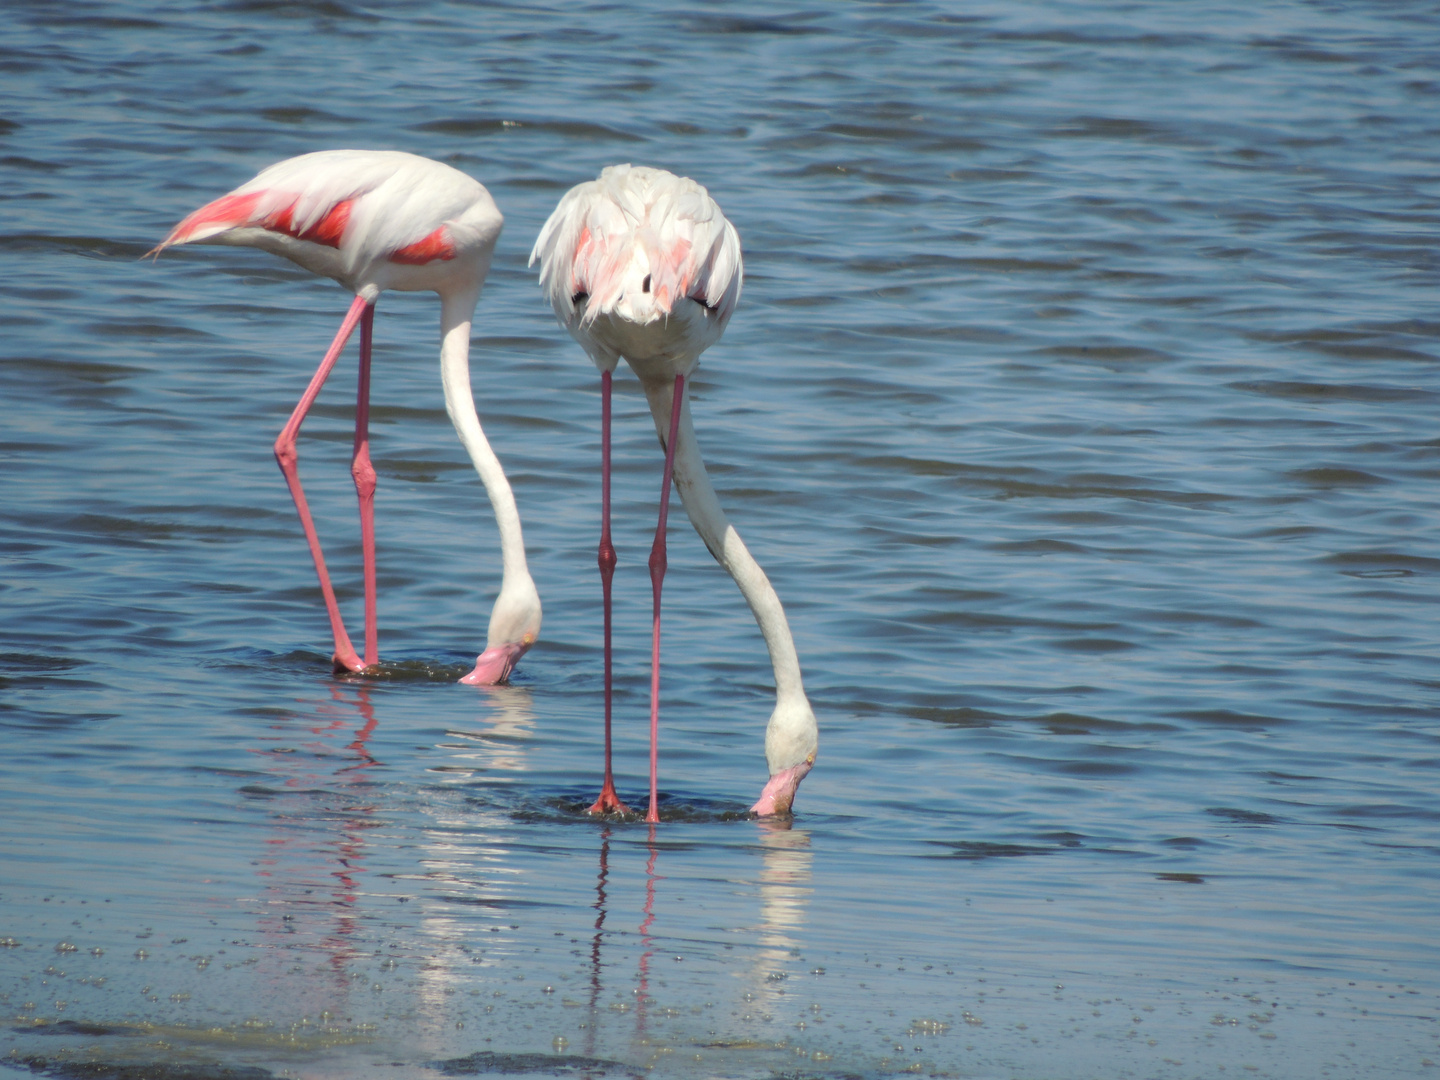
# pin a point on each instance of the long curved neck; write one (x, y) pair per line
(456, 311)
(698, 495)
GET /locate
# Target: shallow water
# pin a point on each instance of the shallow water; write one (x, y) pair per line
(1080, 404)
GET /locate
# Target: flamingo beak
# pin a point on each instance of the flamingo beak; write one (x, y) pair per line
(779, 793)
(494, 665)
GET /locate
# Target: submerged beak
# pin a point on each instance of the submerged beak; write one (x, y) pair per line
(495, 663)
(779, 793)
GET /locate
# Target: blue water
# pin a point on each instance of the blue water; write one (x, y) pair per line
(1080, 405)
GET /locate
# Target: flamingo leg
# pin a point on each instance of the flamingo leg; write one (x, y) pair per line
(285, 455)
(657, 578)
(364, 474)
(608, 802)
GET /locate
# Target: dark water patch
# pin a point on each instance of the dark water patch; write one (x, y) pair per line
(85, 371)
(797, 25)
(485, 1062)
(976, 850)
(1387, 810)
(1093, 768)
(13, 663)
(1239, 816)
(571, 808)
(1381, 563)
(1062, 723)
(1327, 392)
(566, 129)
(1125, 129)
(1181, 878)
(403, 670)
(79, 1028)
(958, 716)
(14, 161)
(40, 720)
(94, 247)
(301, 9)
(1328, 477)
(300, 115)
(155, 1070)
(149, 330)
(1228, 718)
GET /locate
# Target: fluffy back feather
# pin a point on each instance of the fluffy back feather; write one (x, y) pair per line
(635, 223)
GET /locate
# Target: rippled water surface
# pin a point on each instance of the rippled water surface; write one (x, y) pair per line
(1080, 404)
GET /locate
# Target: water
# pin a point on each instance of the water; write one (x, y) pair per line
(1080, 405)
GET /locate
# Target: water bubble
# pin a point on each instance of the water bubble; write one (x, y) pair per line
(560, 1043)
(66, 946)
(97, 951)
(141, 954)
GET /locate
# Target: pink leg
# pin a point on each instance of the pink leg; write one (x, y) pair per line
(608, 802)
(345, 658)
(657, 577)
(364, 474)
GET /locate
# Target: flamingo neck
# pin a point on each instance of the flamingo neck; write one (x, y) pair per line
(456, 312)
(698, 494)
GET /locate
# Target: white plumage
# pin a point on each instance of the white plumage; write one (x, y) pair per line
(641, 264)
(376, 220)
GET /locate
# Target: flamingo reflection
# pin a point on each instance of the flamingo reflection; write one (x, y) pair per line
(314, 871)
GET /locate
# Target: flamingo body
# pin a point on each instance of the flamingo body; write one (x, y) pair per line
(377, 220)
(642, 264)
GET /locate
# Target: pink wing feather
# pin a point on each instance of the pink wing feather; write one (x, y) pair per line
(317, 197)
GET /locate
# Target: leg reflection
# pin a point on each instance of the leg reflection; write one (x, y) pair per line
(600, 910)
(642, 982)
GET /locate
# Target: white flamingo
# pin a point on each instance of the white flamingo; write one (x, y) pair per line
(642, 264)
(376, 220)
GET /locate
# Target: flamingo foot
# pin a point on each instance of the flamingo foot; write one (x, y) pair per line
(779, 793)
(608, 802)
(494, 665)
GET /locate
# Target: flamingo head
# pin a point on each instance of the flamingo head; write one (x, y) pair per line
(514, 627)
(779, 793)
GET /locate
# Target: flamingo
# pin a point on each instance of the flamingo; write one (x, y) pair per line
(376, 220)
(641, 264)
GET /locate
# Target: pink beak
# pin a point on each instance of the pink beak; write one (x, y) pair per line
(779, 793)
(494, 665)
